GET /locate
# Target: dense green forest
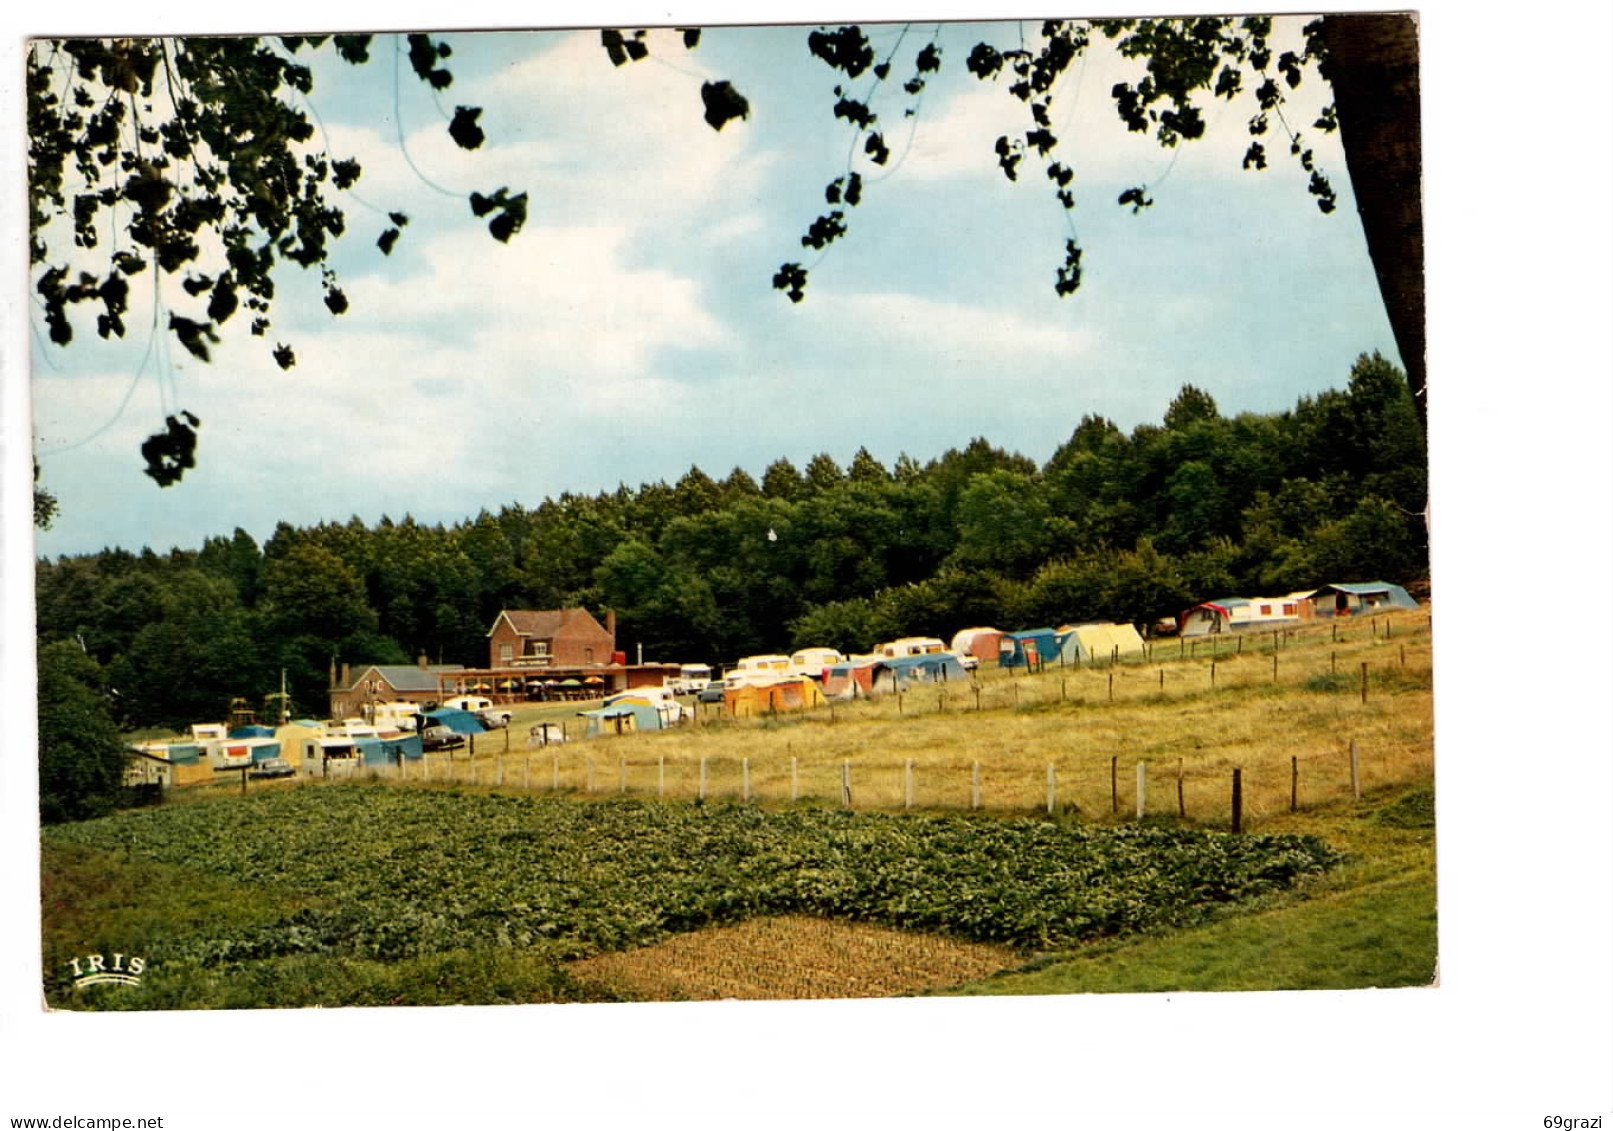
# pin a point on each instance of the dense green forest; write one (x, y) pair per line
(1112, 527)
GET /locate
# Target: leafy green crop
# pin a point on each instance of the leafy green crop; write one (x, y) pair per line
(402, 873)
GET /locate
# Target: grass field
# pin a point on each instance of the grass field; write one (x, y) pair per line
(1190, 716)
(1368, 919)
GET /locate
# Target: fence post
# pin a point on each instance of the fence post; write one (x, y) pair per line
(907, 784)
(526, 774)
(589, 779)
(425, 766)
(1274, 666)
(1333, 664)
(498, 770)
(1363, 681)
(845, 785)
(1181, 798)
(795, 780)
(1237, 799)
(1355, 769)
(1212, 673)
(744, 779)
(974, 787)
(621, 780)
(977, 696)
(702, 777)
(660, 775)
(1052, 788)
(1142, 789)
(1114, 783)
(1162, 681)
(1111, 684)
(1293, 785)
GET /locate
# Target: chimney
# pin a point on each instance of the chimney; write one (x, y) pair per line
(610, 626)
(347, 675)
(333, 682)
(423, 661)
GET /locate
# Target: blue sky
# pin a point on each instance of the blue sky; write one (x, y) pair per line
(630, 330)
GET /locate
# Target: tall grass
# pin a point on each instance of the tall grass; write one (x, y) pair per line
(1190, 720)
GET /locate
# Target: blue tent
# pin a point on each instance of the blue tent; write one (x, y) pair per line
(1360, 598)
(1049, 646)
(932, 667)
(460, 722)
(644, 714)
(385, 751)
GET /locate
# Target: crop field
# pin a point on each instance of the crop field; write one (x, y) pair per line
(372, 873)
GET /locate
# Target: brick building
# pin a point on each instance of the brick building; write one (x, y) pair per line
(551, 638)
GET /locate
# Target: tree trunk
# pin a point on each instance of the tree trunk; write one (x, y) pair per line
(1372, 65)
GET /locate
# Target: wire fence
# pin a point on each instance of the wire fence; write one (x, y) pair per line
(967, 764)
(1094, 786)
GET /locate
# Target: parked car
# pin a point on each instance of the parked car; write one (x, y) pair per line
(272, 768)
(712, 692)
(493, 718)
(440, 737)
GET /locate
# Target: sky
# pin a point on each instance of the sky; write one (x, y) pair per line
(1520, 261)
(630, 330)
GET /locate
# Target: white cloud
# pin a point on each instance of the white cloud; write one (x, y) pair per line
(953, 334)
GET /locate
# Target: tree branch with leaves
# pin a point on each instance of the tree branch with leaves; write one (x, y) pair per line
(196, 159)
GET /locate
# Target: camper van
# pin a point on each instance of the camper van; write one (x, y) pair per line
(690, 679)
(911, 646)
(396, 715)
(758, 669)
(812, 662)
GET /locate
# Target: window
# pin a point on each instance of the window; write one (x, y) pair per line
(506, 653)
(1265, 610)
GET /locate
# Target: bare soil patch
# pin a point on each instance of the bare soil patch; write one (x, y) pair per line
(794, 957)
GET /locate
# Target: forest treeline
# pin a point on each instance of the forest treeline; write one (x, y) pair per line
(1113, 527)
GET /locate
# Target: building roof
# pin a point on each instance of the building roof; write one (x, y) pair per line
(543, 623)
(410, 677)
